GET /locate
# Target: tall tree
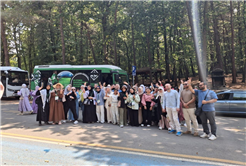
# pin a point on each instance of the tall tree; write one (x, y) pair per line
(232, 45)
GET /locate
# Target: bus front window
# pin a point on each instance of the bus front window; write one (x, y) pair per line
(17, 78)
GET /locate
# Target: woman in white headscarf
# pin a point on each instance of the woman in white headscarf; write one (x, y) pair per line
(24, 105)
(161, 116)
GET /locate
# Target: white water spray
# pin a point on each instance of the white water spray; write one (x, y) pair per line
(197, 38)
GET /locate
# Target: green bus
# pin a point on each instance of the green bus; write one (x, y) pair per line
(77, 75)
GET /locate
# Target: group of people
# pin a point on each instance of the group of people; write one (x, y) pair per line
(135, 106)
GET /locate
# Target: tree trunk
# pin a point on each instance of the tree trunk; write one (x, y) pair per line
(224, 48)
(115, 33)
(175, 75)
(81, 41)
(204, 37)
(62, 38)
(192, 68)
(90, 42)
(168, 75)
(16, 47)
(4, 40)
(133, 47)
(149, 53)
(216, 39)
(244, 21)
(232, 46)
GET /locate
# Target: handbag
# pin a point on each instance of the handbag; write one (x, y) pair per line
(199, 109)
(86, 102)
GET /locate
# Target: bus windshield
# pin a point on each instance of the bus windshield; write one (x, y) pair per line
(17, 78)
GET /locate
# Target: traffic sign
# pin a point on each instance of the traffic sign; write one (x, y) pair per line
(134, 71)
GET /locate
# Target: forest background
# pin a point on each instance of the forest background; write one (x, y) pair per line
(153, 34)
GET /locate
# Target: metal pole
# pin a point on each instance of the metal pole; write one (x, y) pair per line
(132, 80)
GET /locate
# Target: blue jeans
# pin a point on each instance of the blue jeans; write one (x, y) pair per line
(70, 114)
(82, 106)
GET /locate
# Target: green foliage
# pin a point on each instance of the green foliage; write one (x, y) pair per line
(39, 37)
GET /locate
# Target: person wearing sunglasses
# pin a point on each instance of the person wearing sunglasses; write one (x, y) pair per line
(206, 100)
(188, 104)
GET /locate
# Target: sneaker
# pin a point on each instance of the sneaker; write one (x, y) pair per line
(169, 129)
(160, 128)
(97, 121)
(172, 131)
(102, 122)
(204, 135)
(185, 125)
(75, 122)
(148, 125)
(64, 121)
(195, 134)
(121, 126)
(187, 132)
(31, 112)
(20, 114)
(212, 137)
(142, 125)
(179, 133)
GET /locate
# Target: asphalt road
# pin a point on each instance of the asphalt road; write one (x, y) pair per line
(32, 152)
(228, 148)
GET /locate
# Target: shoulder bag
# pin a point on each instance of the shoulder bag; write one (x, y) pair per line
(199, 109)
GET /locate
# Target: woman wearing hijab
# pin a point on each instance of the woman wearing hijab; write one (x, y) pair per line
(70, 114)
(70, 96)
(161, 116)
(140, 111)
(133, 100)
(89, 115)
(35, 96)
(122, 106)
(43, 102)
(56, 105)
(148, 105)
(24, 105)
(108, 104)
(100, 93)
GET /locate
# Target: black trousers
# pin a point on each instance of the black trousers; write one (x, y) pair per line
(72, 106)
(133, 117)
(147, 114)
(208, 115)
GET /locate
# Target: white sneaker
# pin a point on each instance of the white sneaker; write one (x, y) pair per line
(204, 135)
(121, 126)
(97, 121)
(75, 122)
(160, 128)
(169, 129)
(148, 125)
(212, 137)
(64, 121)
(142, 125)
(102, 122)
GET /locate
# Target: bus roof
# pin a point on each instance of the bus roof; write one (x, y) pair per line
(78, 66)
(3, 68)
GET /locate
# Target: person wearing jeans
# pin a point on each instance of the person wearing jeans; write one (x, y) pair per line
(188, 103)
(206, 100)
(171, 105)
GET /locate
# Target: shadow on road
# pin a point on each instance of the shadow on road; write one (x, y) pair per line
(231, 135)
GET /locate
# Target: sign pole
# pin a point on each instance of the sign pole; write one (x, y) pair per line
(132, 80)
